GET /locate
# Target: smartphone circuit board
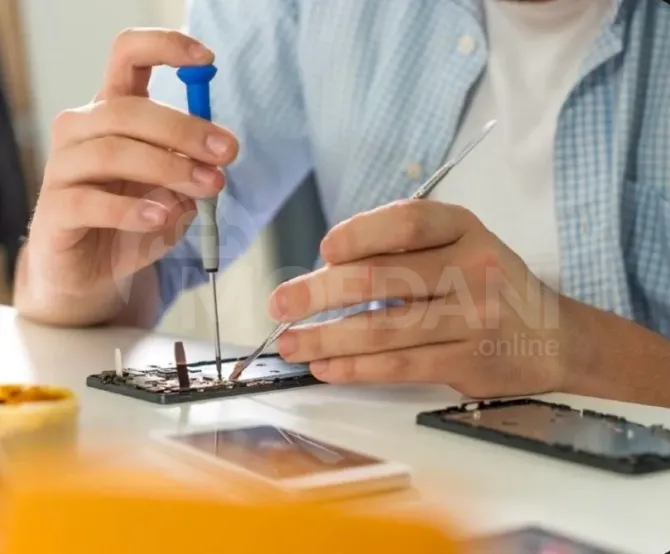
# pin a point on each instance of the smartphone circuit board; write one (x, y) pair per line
(164, 384)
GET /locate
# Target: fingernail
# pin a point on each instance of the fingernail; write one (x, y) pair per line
(153, 213)
(278, 305)
(288, 344)
(205, 175)
(319, 367)
(198, 51)
(218, 145)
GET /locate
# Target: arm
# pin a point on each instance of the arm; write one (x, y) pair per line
(610, 357)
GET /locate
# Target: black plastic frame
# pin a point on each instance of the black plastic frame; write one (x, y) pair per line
(98, 382)
(634, 465)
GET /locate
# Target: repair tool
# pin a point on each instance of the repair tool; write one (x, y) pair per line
(197, 79)
(182, 367)
(422, 192)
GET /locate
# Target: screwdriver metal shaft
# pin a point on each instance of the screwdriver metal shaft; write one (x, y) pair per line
(217, 330)
(197, 80)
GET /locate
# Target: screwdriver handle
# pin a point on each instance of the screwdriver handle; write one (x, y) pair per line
(197, 80)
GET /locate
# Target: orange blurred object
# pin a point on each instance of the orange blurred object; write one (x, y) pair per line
(85, 511)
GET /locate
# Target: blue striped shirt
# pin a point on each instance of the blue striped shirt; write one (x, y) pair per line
(357, 89)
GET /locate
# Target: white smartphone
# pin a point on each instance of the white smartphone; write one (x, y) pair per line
(286, 462)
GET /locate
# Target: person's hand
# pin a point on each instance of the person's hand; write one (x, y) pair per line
(122, 175)
(465, 310)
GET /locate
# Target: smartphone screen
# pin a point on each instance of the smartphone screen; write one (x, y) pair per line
(274, 453)
(585, 432)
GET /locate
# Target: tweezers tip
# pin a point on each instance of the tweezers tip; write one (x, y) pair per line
(490, 125)
(239, 367)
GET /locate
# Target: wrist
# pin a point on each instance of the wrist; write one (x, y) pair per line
(38, 297)
(579, 350)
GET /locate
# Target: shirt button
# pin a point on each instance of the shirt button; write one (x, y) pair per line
(414, 171)
(466, 44)
(585, 226)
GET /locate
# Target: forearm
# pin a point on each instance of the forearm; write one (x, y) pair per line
(609, 357)
(133, 303)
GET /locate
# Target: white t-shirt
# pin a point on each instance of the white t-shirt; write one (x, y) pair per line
(536, 52)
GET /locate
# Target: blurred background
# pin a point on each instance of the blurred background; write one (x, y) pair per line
(53, 56)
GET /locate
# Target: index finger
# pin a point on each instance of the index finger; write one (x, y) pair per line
(403, 226)
(137, 50)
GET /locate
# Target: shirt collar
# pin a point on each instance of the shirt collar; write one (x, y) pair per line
(475, 8)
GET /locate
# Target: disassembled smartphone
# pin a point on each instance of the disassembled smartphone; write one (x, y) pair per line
(532, 540)
(174, 384)
(582, 436)
(285, 462)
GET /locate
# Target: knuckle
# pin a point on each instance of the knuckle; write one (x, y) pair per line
(411, 228)
(123, 41)
(313, 344)
(124, 34)
(62, 122)
(342, 237)
(114, 115)
(460, 211)
(465, 215)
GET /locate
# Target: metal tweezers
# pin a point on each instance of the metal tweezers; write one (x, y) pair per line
(422, 192)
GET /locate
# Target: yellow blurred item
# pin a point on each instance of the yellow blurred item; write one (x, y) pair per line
(23, 394)
(35, 418)
(85, 511)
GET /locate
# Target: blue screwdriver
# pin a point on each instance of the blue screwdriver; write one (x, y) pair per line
(197, 80)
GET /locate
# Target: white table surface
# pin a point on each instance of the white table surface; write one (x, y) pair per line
(489, 487)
